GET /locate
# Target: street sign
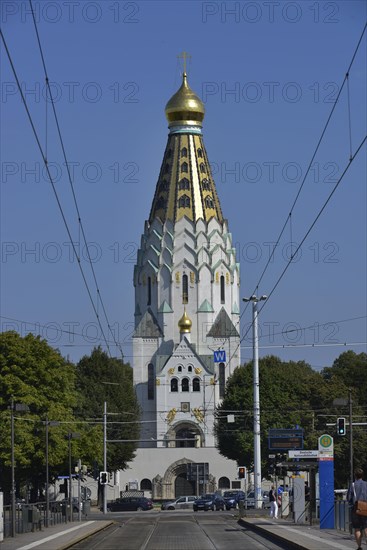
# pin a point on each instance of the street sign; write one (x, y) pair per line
(293, 465)
(303, 453)
(285, 439)
(326, 447)
(219, 356)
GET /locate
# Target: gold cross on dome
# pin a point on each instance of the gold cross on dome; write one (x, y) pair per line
(185, 56)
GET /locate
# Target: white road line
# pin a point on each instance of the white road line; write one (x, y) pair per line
(51, 537)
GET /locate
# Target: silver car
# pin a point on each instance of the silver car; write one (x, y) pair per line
(181, 503)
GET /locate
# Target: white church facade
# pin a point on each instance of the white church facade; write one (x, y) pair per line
(186, 283)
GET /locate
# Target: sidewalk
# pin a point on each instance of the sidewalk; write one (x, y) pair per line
(300, 537)
(58, 537)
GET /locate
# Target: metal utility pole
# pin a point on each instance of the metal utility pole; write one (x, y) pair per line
(257, 438)
(351, 437)
(104, 455)
(12, 469)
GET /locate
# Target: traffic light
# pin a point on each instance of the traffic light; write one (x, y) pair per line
(340, 426)
(242, 472)
(103, 478)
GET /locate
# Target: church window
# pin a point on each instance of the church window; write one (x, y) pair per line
(174, 385)
(184, 201)
(202, 168)
(150, 381)
(196, 384)
(161, 202)
(149, 300)
(205, 184)
(222, 290)
(163, 186)
(184, 167)
(183, 152)
(200, 153)
(184, 184)
(222, 380)
(209, 202)
(166, 168)
(145, 485)
(185, 384)
(169, 153)
(185, 289)
(189, 368)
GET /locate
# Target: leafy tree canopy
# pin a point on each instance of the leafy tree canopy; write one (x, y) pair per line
(34, 374)
(291, 394)
(102, 379)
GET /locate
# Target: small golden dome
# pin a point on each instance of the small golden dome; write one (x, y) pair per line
(185, 323)
(185, 107)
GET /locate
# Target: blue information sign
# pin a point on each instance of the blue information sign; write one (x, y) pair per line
(219, 356)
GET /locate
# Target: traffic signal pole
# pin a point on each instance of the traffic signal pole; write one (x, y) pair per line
(351, 437)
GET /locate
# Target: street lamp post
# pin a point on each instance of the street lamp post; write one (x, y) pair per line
(256, 388)
(104, 494)
(48, 423)
(70, 436)
(14, 407)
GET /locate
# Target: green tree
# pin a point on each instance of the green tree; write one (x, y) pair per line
(103, 379)
(34, 374)
(348, 375)
(290, 395)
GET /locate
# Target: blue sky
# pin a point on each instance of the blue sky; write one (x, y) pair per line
(268, 73)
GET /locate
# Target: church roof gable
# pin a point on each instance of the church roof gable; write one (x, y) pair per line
(148, 327)
(223, 326)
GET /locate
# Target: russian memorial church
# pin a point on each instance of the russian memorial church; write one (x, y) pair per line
(186, 281)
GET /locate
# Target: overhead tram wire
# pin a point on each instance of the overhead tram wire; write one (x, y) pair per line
(99, 296)
(351, 158)
(54, 190)
(346, 79)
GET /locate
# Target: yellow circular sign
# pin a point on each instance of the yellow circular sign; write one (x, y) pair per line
(326, 441)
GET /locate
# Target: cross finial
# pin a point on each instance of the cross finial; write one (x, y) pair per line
(185, 56)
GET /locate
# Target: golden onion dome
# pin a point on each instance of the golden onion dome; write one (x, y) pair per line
(185, 323)
(185, 107)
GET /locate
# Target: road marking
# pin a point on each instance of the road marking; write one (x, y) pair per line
(51, 537)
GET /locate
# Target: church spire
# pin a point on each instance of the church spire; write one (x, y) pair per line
(185, 186)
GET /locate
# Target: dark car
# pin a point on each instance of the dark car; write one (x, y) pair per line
(210, 501)
(129, 504)
(232, 498)
(62, 505)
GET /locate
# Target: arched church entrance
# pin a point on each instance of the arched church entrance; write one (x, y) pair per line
(183, 486)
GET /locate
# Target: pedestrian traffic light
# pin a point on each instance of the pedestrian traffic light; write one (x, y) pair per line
(103, 478)
(242, 472)
(340, 426)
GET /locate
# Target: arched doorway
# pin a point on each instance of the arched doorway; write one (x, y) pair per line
(183, 486)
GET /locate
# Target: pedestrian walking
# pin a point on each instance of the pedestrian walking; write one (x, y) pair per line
(358, 492)
(273, 503)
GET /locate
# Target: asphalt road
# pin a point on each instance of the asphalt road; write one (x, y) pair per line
(176, 530)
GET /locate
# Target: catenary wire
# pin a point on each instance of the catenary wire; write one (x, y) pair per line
(81, 226)
(54, 189)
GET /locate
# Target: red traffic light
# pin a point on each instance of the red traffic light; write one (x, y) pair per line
(241, 472)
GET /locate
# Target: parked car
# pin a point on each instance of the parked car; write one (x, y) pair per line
(129, 504)
(179, 504)
(210, 501)
(250, 500)
(232, 498)
(60, 505)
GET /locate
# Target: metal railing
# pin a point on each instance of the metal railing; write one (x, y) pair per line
(32, 517)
